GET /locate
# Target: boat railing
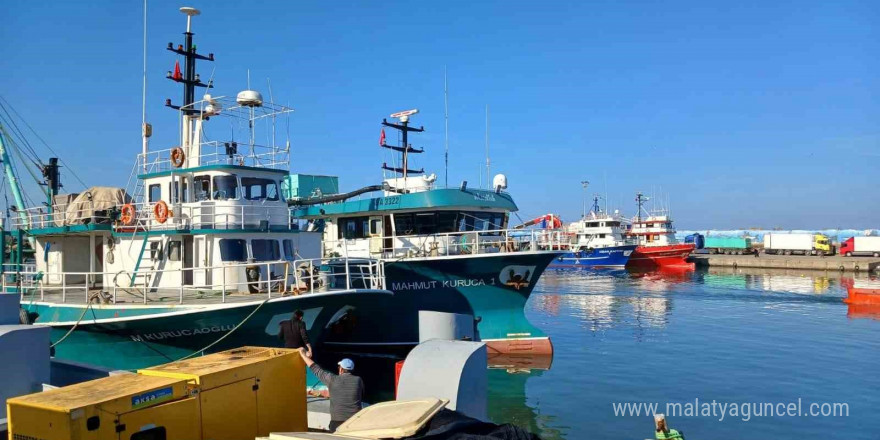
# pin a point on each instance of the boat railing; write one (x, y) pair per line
(218, 153)
(459, 243)
(214, 215)
(207, 215)
(234, 282)
(74, 213)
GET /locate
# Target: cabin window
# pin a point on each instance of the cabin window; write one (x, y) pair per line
(425, 223)
(353, 227)
(446, 221)
(376, 227)
(202, 186)
(155, 250)
(656, 237)
(155, 193)
(404, 224)
(259, 189)
(480, 221)
(225, 187)
(289, 251)
(265, 250)
(233, 249)
(174, 189)
(601, 235)
(173, 250)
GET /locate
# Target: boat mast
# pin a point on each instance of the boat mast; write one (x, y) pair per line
(190, 79)
(640, 199)
(146, 129)
(585, 184)
(406, 148)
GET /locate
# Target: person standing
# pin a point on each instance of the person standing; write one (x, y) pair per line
(346, 389)
(293, 333)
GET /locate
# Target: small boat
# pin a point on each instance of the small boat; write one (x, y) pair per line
(657, 245)
(863, 293)
(597, 241)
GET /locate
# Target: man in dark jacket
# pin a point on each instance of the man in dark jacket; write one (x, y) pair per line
(293, 333)
(346, 389)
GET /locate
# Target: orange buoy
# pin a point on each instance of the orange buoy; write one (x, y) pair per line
(160, 210)
(127, 216)
(177, 157)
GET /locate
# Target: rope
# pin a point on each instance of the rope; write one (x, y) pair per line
(89, 306)
(208, 347)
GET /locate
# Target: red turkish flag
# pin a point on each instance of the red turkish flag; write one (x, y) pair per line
(382, 137)
(177, 75)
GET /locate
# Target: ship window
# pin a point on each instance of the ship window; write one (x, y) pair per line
(446, 221)
(601, 235)
(173, 189)
(376, 227)
(403, 224)
(425, 223)
(155, 250)
(202, 186)
(155, 193)
(289, 252)
(225, 187)
(650, 225)
(265, 250)
(656, 237)
(233, 249)
(353, 227)
(259, 189)
(173, 250)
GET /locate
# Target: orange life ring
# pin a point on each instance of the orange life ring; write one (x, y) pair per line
(127, 216)
(160, 210)
(177, 157)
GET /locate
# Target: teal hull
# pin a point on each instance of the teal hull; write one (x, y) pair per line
(482, 286)
(132, 336)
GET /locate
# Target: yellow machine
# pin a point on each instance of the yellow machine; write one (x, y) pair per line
(236, 394)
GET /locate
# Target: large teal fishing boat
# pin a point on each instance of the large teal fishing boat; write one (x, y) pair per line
(445, 249)
(198, 254)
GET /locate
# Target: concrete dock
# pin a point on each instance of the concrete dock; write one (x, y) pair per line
(764, 261)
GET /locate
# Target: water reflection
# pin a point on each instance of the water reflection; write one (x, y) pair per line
(509, 403)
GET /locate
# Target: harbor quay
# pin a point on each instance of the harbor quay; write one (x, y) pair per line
(766, 261)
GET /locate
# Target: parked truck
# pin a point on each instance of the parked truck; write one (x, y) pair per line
(861, 246)
(728, 245)
(804, 244)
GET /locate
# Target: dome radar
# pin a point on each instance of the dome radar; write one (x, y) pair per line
(499, 182)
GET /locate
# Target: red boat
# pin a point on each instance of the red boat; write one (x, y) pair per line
(869, 295)
(658, 246)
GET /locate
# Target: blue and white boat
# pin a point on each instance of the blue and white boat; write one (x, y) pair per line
(597, 241)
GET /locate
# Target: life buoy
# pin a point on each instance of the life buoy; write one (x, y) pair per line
(177, 157)
(160, 210)
(127, 215)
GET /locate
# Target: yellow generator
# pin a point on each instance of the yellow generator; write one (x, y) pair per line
(236, 394)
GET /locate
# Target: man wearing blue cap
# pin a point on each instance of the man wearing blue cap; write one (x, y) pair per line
(346, 389)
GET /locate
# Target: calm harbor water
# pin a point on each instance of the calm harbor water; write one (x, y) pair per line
(733, 335)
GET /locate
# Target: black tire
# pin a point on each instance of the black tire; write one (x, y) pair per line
(23, 317)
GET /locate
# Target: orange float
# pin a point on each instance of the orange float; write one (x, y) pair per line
(127, 216)
(160, 210)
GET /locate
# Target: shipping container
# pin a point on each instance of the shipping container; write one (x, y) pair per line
(728, 245)
(804, 244)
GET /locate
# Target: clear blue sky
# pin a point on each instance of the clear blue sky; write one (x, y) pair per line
(747, 113)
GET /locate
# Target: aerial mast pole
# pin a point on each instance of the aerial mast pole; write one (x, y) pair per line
(404, 149)
(146, 129)
(446, 116)
(585, 184)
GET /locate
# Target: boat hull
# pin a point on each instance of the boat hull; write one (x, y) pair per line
(615, 256)
(493, 288)
(128, 337)
(654, 257)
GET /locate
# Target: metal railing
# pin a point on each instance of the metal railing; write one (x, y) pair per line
(456, 243)
(216, 153)
(272, 279)
(214, 215)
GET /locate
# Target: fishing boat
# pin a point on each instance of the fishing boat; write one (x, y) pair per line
(597, 241)
(197, 254)
(445, 249)
(657, 245)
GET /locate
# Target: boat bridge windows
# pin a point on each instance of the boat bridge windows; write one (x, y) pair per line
(259, 189)
(443, 222)
(261, 249)
(225, 187)
(155, 193)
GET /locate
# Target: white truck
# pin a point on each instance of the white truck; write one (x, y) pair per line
(804, 244)
(865, 246)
